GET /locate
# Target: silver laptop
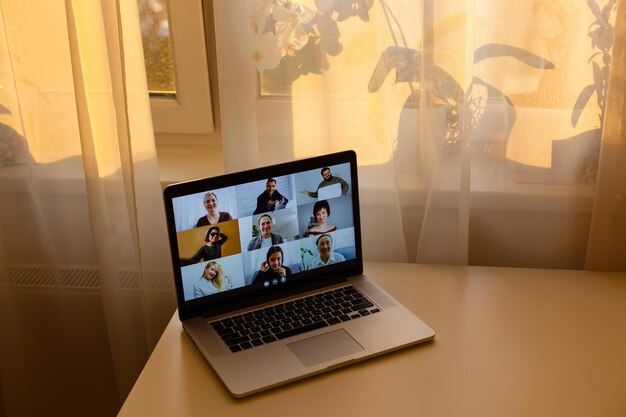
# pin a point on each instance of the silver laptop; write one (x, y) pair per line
(269, 277)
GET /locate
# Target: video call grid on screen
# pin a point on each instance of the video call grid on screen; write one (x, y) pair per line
(240, 260)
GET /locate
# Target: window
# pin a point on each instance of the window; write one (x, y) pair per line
(177, 69)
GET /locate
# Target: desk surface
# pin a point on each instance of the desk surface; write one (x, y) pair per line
(509, 342)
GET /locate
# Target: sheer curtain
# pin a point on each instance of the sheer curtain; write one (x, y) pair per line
(488, 133)
(85, 285)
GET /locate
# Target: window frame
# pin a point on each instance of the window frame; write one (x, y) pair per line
(191, 111)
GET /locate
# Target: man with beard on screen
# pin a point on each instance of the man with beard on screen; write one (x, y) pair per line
(329, 179)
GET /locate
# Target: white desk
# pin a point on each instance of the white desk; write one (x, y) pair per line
(509, 342)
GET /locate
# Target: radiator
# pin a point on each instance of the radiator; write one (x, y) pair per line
(55, 358)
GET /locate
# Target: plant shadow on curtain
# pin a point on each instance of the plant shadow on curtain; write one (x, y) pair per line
(85, 283)
(479, 137)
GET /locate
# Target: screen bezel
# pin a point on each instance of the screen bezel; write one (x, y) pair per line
(243, 297)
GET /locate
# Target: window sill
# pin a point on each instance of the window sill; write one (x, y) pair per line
(187, 157)
(492, 187)
(491, 183)
(182, 163)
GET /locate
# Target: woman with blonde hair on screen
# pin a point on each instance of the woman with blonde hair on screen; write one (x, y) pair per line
(213, 280)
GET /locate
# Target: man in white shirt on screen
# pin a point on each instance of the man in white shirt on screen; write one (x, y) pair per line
(326, 255)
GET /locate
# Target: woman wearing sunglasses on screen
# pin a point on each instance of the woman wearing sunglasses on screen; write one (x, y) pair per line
(211, 250)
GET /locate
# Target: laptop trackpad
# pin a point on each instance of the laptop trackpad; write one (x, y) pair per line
(325, 347)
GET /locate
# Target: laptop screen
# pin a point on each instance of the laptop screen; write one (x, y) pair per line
(263, 230)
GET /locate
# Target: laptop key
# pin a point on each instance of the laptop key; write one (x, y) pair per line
(231, 336)
(268, 339)
(357, 307)
(246, 345)
(300, 330)
(224, 332)
(236, 341)
(235, 348)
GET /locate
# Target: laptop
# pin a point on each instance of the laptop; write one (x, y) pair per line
(269, 278)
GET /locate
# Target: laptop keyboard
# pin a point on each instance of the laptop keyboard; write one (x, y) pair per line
(266, 325)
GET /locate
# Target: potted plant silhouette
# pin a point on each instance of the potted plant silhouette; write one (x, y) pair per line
(292, 40)
(12, 144)
(574, 156)
(441, 96)
(602, 33)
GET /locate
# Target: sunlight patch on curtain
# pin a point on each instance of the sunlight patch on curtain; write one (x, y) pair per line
(533, 70)
(46, 99)
(92, 81)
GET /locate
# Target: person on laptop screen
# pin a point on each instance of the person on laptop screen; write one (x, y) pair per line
(266, 238)
(321, 211)
(326, 255)
(214, 239)
(269, 198)
(328, 179)
(213, 215)
(213, 280)
(272, 270)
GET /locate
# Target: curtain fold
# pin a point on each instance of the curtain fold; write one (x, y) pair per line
(85, 279)
(607, 240)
